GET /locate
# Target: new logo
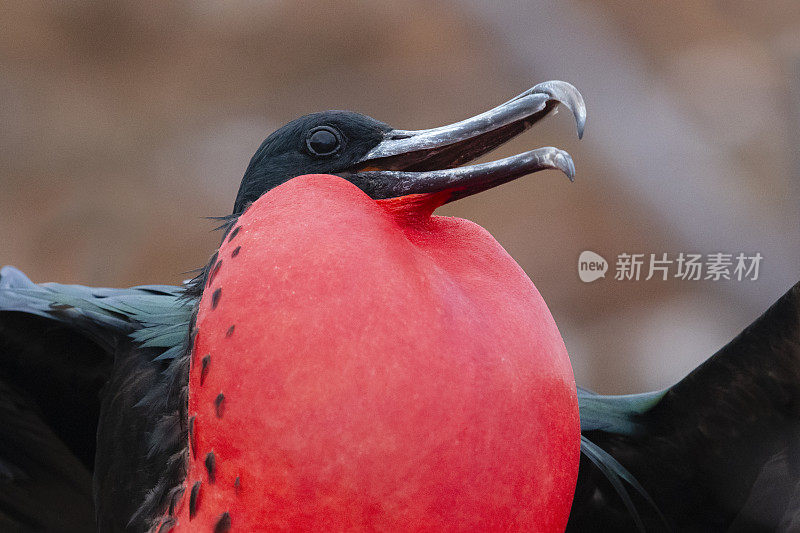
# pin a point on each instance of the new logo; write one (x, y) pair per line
(591, 266)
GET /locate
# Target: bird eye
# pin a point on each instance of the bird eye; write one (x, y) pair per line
(323, 141)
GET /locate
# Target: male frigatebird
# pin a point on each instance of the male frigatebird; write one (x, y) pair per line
(345, 361)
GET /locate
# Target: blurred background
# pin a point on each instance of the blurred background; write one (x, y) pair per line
(125, 124)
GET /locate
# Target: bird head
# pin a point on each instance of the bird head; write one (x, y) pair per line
(389, 163)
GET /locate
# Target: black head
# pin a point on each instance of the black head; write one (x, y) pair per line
(320, 143)
(386, 163)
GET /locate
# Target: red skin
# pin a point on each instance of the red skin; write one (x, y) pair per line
(388, 371)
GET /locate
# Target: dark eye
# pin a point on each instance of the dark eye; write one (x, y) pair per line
(323, 141)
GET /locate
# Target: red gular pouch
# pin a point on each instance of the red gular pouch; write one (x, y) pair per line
(362, 365)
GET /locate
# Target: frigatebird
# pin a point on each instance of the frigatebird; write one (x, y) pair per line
(99, 430)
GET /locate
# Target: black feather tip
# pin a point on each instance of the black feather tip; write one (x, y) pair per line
(211, 466)
(223, 523)
(194, 499)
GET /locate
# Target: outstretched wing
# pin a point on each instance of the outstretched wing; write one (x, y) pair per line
(718, 451)
(57, 350)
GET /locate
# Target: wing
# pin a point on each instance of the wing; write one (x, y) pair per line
(58, 348)
(718, 451)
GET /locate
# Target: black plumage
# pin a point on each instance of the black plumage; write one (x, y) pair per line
(719, 451)
(71, 350)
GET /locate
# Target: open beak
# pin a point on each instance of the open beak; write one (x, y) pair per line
(429, 161)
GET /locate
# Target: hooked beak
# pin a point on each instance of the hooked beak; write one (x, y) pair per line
(429, 161)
